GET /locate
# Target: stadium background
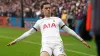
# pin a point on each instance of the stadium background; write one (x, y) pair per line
(72, 12)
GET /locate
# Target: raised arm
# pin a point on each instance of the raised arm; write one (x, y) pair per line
(26, 34)
(70, 31)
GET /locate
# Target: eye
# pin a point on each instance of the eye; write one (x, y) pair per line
(47, 7)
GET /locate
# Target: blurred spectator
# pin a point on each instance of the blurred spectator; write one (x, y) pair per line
(71, 20)
(64, 16)
(55, 10)
(28, 13)
(79, 19)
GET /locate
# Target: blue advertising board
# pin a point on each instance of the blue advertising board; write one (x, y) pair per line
(29, 22)
(16, 22)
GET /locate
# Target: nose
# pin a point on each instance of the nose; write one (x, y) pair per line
(48, 9)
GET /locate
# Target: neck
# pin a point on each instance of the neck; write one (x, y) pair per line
(47, 15)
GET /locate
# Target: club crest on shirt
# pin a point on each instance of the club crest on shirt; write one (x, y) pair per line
(53, 20)
(49, 25)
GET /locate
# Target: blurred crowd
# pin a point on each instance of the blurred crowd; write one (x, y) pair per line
(72, 12)
(32, 7)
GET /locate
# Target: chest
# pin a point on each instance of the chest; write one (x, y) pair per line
(46, 24)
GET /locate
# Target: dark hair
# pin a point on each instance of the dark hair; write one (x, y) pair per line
(44, 4)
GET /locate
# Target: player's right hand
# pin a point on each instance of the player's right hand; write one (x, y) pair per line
(85, 43)
(11, 43)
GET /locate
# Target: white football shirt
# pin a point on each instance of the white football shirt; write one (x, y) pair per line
(49, 28)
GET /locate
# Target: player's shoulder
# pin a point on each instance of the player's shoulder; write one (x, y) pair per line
(56, 18)
(39, 21)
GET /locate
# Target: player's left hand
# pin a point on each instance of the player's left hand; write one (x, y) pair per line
(11, 43)
(85, 43)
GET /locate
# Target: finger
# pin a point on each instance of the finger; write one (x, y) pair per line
(87, 45)
(9, 45)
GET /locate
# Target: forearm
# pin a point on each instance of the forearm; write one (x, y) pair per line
(70, 31)
(26, 34)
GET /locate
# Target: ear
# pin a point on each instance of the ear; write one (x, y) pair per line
(41, 10)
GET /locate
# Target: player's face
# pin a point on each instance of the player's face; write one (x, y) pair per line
(47, 10)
